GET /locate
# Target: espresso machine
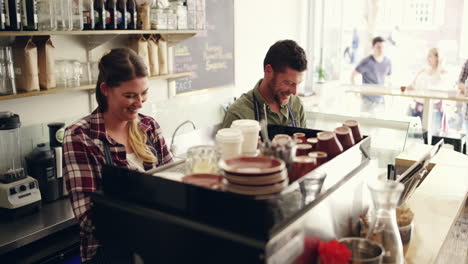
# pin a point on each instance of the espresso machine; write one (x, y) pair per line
(19, 193)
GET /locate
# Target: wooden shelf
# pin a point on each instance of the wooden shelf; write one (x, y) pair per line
(97, 32)
(89, 88)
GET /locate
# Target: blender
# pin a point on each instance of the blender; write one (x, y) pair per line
(19, 193)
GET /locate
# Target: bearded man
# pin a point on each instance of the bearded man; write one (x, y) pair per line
(284, 66)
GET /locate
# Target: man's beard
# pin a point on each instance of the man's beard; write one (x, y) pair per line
(271, 88)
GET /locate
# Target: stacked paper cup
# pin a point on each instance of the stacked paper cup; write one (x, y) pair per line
(250, 129)
(229, 142)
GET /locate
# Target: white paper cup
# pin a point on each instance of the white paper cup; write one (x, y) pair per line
(250, 129)
(229, 142)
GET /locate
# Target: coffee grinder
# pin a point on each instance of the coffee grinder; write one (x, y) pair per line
(19, 193)
(45, 164)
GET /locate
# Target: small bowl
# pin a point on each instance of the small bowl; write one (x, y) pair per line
(363, 250)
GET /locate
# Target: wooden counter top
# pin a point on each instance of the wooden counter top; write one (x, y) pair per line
(436, 204)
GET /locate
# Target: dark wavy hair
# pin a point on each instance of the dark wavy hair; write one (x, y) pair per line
(117, 66)
(286, 53)
(377, 40)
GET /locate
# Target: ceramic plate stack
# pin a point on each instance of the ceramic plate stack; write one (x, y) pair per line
(254, 175)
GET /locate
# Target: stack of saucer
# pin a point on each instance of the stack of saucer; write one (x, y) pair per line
(254, 175)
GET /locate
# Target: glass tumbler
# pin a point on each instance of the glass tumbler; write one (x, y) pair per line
(202, 159)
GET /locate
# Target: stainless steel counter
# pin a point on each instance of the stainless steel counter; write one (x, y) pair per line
(52, 217)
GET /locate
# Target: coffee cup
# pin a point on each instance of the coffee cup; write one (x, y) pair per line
(229, 142)
(320, 156)
(303, 149)
(354, 125)
(327, 142)
(301, 166)
(403, 88)
(345, 136)
(250, 129)
(300, 135)
(313, 142)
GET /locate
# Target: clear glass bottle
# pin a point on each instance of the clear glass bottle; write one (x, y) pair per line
(77, 14)
(154, 14)
(46, 15)
(63, 14)
(384, 227)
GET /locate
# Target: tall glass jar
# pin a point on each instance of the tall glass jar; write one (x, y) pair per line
(384, 227)
(46, 15)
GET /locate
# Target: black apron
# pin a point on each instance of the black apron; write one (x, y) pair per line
(257, 112)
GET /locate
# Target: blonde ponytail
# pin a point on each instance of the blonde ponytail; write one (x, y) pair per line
(137, 141)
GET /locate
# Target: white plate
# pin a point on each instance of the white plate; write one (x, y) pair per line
(256, 190)
(257, 180)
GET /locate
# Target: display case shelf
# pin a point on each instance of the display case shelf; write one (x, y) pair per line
(89, 88)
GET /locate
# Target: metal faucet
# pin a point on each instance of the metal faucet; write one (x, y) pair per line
(175, 131)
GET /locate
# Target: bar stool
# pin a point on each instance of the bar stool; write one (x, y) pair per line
(458, 140)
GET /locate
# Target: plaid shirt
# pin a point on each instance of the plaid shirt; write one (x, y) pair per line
(462, 79)
(83, 150)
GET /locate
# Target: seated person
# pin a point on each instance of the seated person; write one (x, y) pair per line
(433, 76)
(283, 70)
(113, 134)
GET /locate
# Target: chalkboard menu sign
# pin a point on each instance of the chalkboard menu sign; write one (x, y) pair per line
(209, 55)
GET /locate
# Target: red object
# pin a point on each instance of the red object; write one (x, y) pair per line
(203, 180)
(333, 252)
(328, 143)
(301, 166)
(354, 125)
(345, 136)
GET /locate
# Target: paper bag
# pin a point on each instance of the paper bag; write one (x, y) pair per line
(162, 56)
(25, 63)
(143, 16)
(153, 55)
(46, 58)
(140, 46)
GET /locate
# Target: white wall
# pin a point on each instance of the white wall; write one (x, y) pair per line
(258, 24)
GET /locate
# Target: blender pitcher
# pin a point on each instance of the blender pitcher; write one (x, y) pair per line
(384, 227)
(11, 167)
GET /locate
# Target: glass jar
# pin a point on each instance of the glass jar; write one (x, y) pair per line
(171, 19)
(384, 228)
(202, 159)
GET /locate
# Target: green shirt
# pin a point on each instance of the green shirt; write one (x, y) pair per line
(243, 108)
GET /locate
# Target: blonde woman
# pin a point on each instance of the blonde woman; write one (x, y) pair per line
(114, 134)
(433, 76)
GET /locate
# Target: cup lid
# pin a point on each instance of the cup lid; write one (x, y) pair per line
(229, 135)
(312, 140)
(246, 125)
